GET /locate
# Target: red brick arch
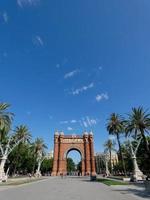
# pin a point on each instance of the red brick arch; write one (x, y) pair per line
(63, 144)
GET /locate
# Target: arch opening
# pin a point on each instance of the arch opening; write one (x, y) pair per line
(73, 159)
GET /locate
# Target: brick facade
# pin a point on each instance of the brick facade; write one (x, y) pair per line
(63, 144)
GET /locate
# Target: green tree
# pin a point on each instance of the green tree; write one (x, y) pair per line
(70, 165)
(5, 120)
(115, 127)
(39, 148)
(109, 147)
(8, 139)
(138, 124)
(79, 166)
(21, 133)
(142, 156)
(127, 160)
(46, 166)
(20, 160)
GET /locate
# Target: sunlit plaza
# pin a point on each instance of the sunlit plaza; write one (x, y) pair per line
(72, 188)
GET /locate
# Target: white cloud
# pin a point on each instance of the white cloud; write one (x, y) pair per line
(50, 117)
(28, 113)
(102, 96)
(88, 122)
(93, 121)
(64, 122)
(4, 17)
(37, 40)
(100, 68)
(5, 54)
(71, 74)
(112, 137)
(73, 121)
(84, 88)
(22, 3)
(85, 124)
(80, 122)
(69, 128)
(57, 65)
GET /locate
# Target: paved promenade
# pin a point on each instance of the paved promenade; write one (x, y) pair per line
(55, 188)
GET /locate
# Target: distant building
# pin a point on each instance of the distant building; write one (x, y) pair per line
(100, 161)
(50, 154)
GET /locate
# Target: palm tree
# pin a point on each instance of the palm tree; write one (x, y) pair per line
(9, 140)
(5, 126)
(39, 145)
(5, 120)
(22, 132)
(39, 150)
(109, 147)
(138, 124)
(133, 148)
(115, 127)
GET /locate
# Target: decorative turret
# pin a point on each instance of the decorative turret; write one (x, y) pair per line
(91, 133)
(85, 133)
(56, 133)
(61, 133)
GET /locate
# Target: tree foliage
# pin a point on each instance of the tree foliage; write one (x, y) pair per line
(70, 165)
(5, 120)
(135, 128)
(138, 125)
(109, 147)
(47, 165)
(115, 127)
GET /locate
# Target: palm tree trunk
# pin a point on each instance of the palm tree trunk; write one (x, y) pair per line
(38, 173)
(146, 143)
(136, 169)
(33, 168)
(137, 174)
(106, 168)
(14, 171)
(121, 155)
(110, 162)
(39, 166)
(2, 165)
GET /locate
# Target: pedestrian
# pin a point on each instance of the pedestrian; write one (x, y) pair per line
(61, 175)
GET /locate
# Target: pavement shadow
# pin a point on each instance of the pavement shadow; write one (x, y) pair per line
(75, 177)
(89, 181)
(139, 193)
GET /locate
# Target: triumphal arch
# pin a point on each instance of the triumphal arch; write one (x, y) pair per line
(63, 144)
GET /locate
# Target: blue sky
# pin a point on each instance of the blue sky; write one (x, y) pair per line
(67, 65)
